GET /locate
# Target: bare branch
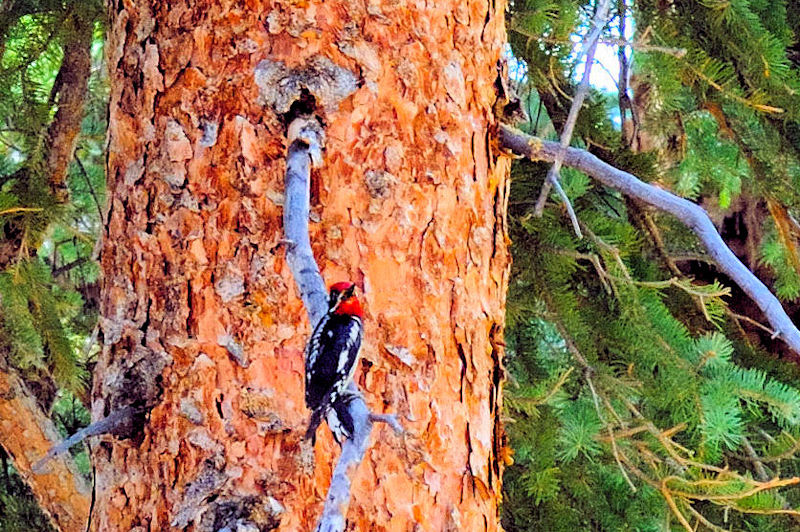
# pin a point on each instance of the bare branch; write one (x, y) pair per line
(88, 181)
(751, 321)
(389, 419)
(573, 218)
(305, 135)
(625, 103)
(335, 511)
(645, 47)
(106, 425)
(761, 471)
(690, 214)
(637, 45)
(70, 266)
(590, 45)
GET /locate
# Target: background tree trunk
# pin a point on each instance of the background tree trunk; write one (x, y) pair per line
(26, 433)
(201, 323)
(70, 88)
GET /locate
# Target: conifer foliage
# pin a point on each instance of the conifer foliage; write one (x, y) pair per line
(46, 242)
(646, 393)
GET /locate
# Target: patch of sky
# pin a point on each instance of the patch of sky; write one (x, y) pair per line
(605, 71)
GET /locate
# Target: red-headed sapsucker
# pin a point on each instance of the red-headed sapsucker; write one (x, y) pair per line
(331, 357)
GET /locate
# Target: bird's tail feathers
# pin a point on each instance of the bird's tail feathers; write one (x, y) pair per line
(313, 425)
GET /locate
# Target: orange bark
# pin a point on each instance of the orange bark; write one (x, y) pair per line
(201, 320)
(26, 433)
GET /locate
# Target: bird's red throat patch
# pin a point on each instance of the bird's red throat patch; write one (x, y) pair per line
(350, 307)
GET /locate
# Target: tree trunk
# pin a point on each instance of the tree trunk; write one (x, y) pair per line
(202, 325)
(26, 433)
(70, 86)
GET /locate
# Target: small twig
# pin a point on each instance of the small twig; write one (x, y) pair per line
(590, 46)
(693, 257)
(653, 483)
(389, 419)
(641, 46)
(681, 284)
(587, 373)
(665, 492)
(9, 144)
(644, 428)
(751, 321)
(761, 471)
(534, 401)
(780, 217)
(608, 71)
(729, 497)
(744, 101)
(573, 218)
(598, 267)
(69, 266)
(88, 181)
(614, 449)
(785, 455)
(702, 519)
(690, 214)
(783, 511)
(15, 210)
(638, 45)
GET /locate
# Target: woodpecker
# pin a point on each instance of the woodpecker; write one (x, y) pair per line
(331, 356)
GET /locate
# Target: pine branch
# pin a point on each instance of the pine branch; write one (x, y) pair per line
(306, 140)
(690, 214)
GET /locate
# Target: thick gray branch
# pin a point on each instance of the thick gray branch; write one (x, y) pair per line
(306, 138)
(687, 212)
(334, 513)
(104, 426)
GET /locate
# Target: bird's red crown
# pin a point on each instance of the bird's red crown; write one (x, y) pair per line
(349, 305)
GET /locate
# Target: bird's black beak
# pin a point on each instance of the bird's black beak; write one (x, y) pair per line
(349, 292)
